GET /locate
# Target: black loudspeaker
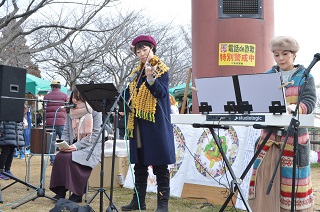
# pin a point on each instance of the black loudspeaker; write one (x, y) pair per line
(12, 88)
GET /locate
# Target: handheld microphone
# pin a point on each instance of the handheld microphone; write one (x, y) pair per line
(73, 105)
(130, 79)
(316, 58)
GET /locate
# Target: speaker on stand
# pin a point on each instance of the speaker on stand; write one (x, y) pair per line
(12, 93)
(12, 84)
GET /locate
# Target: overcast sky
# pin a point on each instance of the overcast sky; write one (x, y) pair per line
(295, 18)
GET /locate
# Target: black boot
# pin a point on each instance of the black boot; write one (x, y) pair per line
(134, 205)
(61, 193)
(162, 199)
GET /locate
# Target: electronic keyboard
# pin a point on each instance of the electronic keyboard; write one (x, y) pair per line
(306, 120)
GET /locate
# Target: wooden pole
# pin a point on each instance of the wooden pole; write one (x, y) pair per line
(185, 95)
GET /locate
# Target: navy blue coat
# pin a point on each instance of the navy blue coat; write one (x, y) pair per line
(157, 138)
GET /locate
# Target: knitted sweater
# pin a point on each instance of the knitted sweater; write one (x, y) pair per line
(307, 104)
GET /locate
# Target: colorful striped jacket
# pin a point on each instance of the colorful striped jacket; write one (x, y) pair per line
(304, 196)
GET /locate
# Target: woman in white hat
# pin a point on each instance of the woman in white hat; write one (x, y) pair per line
(284, 49)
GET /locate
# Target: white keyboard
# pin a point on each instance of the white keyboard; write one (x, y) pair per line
(306, 121)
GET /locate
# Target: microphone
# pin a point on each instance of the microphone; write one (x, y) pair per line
(130, 79)
(73, 105)
(196, 125)
(316, 58)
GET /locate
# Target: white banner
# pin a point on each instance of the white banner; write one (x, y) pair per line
(198, 160)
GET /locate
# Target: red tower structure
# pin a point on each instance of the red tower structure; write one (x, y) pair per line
(230, 37)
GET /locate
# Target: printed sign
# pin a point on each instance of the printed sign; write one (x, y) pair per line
(237, 54)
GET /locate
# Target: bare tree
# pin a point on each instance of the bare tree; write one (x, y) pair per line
(172, 48)
(106, 57)
(17, 52)
(80, 57)
(178, 53)
(44, 19)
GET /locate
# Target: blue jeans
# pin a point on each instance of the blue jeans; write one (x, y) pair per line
(59, 130)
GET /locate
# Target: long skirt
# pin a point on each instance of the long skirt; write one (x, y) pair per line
(69, 174)
(271, 202)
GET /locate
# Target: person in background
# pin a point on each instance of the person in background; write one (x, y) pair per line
(11, 137)
(71, 170)
(21, 151)
(284, 49)
(149, 127)
(56, 96)
(27, 129)
(38, 119)
(121, 125)
(173, 105)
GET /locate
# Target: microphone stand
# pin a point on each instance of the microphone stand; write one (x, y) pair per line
(293, 127)
(40, 189)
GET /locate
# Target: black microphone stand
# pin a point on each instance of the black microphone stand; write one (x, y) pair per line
(293, 127)
(40, 189)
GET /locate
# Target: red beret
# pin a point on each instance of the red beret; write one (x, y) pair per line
(146, 38)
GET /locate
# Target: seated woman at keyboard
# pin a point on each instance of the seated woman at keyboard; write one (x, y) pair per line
(71, 170)
(284, 51)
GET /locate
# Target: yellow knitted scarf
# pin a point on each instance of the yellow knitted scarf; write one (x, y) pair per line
(143, 103)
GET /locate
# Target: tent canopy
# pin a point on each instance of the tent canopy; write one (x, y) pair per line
(178, 91)
(36, 85)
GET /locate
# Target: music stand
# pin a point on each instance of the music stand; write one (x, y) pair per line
(104, 98)
(240, 88)
(240, 93)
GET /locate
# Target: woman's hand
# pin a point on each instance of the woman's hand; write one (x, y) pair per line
(151, 71)
(71, 149)
(291, 108)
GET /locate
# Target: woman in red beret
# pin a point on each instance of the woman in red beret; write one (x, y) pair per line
(149, 127)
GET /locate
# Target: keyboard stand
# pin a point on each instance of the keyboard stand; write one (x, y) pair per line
(235, 183)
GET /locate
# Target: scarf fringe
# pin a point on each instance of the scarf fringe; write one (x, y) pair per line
(146, 116)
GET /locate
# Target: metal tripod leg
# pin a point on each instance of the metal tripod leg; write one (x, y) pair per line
(248, 167)
(40, 191)
(235, 184)
(102, 190)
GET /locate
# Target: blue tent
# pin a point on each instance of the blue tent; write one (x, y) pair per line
(36, 85)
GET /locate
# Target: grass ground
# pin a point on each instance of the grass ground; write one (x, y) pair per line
(18, 192)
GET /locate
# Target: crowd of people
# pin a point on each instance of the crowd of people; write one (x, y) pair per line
(148, 128)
